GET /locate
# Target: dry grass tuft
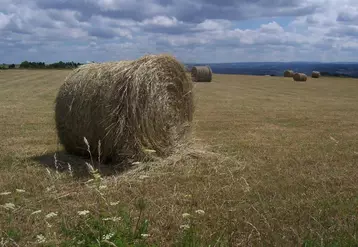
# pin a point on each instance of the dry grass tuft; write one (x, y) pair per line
(288, 73)
(316, 74)
(188, 155)
(201, 74)
(134, 108)
(299, 77)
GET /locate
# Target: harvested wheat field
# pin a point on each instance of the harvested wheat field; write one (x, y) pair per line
(274, 163)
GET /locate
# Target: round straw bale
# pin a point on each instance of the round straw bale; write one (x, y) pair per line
(132, 107)
(316, 74)
(201, 74)
(288, 73)
(299, 77)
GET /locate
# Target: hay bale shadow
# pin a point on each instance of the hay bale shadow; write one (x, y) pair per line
(58, 161)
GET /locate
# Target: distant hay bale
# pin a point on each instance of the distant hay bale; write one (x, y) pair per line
(288, 73)
(201, 74)
(132, 107)
(299, 77)
(316, 74)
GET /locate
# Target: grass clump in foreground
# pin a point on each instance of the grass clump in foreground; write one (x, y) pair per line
(126, 231)
(110, 225)
(108, 231)
(296, 184)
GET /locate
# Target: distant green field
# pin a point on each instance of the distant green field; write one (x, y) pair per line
(289, 179)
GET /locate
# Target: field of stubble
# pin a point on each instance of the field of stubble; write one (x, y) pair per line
(287, 173)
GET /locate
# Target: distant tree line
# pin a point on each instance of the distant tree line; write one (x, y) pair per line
(5, 66)
(42, 65)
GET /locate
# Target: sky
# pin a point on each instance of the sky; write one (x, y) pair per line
(194, 31)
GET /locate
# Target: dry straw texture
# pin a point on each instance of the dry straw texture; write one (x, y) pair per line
(299, 77)
(201, 74)
(288, 73)
(130, 106)
(316, 74)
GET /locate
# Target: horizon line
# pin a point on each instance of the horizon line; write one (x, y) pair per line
(341, 62)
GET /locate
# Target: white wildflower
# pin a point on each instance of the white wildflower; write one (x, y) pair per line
(185, 227)
(20, 191)
(9, 206)
(136, 163)
(114, 203)
(5, 193)
(186, 215)
(142, 177)
(114, 219)
(149, 151)
(84, 212)
(36, 212)
(40, 238)
(144, 235)
(50, 215)
(108, 236)
(200, 212)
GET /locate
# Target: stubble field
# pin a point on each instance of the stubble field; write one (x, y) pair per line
(277, 166)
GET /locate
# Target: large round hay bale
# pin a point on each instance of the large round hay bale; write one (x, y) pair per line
(316, 74)
(201, 74)
(130, 107)
(288, 73)
(299, 77)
